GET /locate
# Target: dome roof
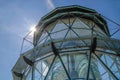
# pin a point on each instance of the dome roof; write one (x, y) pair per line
(78, 11)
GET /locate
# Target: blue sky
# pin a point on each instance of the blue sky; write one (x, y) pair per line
(17, 16)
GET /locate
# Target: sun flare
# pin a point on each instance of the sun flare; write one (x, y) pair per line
(32, 30)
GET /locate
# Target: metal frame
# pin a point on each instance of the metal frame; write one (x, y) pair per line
(60, 50)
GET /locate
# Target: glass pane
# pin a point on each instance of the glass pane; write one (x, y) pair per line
(42, 67)
(79, 24)
(57, 71)
(76, 65)
(59, 26)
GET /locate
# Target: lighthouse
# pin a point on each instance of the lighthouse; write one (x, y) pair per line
(70, 43)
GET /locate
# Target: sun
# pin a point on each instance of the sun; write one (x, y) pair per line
(32, 30)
